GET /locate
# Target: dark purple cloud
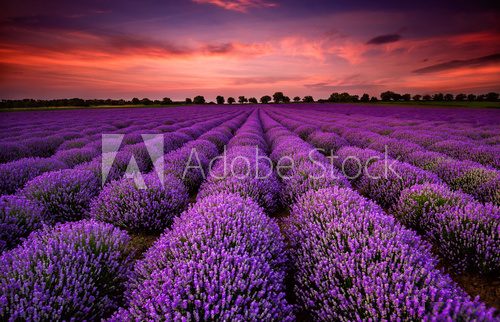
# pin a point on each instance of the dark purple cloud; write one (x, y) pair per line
(454, 64)
(384, 39)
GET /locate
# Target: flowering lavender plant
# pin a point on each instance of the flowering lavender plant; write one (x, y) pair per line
(75, 271)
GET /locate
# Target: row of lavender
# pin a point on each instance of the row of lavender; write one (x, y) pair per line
(466, 233)
(223, 258)
(40, 134)
(471, 141)
(66, 195)
(351, 260)
(71, 151)
(79, 270)
(473, 125)
(483, 182)
(197, 267)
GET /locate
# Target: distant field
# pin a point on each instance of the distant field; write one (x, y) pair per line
(59, 108)
(412, 103)
(450, 104)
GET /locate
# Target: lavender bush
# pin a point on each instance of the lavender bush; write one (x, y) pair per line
(18, 218)
(65, 195)
(75, 271)
(353, 262)
(224, 245)
(384, 186)
(469, 237)
(16, 174)
(152, 209)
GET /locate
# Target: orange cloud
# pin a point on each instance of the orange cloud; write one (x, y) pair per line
(238, 5)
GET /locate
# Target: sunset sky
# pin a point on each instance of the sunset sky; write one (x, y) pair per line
(178, 49)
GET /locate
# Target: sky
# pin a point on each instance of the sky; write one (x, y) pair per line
(177, 49)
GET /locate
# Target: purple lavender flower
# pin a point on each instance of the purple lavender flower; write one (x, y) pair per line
(419, 203)
(329, 142)
(469, 237)
(477, 180)
(73, 271)
(42, 146)
(384, 181)
(263, 191)
(303, 131)
(353, 262)
(73, 157)
(152, 209)
(18, 218)
(187, 165)
(222, 259)
(214, 285)
(65, 195)
(15, 174)
(309, 176)
(219, 137)
(481, 182)
(174, 140)
(203, 147)
(394, 147)
(10, 151)
(426, 160)
(361, 138)
(352, 161)
(73, 144)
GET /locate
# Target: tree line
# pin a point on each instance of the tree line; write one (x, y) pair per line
(277, 97)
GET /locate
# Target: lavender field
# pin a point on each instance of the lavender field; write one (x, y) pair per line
(309, 212)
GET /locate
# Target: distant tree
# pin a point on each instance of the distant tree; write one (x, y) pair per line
(167, 100)
(397, 97)
(265, 99)
(417, 97)
(492, 97)
(471, 97)
(278, 97)
(199, 99)
(448, 97)
(334, 97)
(136, 101)
(286, 99)
(373, 99)
(387, 96)
(438, 97)
(189, 101)
(426, 97)
(345, 97)
(460, 97)
(242, 99)
(365, 98)
(342, 98)
(220, 99)
(146, 101)
(406, 97)
(230, 100)
(253, 100)
(296, 99)
(308, 99)
(480, 98)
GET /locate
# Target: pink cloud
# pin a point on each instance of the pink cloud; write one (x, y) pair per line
(238, 5)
